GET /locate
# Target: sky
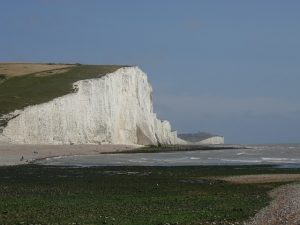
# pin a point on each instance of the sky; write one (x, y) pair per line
(225, 67)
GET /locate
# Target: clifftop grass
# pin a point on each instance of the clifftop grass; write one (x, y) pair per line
(21, 91)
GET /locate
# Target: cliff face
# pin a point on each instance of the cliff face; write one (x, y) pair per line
(202, 138)
(116, 108)
(217, 140)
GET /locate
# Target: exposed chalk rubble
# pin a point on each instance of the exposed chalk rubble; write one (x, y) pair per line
(116, 109)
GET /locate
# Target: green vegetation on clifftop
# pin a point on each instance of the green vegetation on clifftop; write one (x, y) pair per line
(21, 91)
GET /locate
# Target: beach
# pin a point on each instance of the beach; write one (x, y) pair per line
(133, 155)
(224, 186)
(14, 154)
(276, 155)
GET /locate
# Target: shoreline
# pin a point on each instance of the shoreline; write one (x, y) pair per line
(181, 148)
(278, 156)
(19, 154)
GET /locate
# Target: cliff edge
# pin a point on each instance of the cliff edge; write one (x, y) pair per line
(113, 109)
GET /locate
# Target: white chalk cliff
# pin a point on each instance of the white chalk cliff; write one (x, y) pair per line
(116, 108)
(216, 140)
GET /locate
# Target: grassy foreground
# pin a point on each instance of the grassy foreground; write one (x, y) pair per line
(129, 195)
(21, 91)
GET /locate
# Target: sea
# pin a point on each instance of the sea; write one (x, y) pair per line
(285, 156)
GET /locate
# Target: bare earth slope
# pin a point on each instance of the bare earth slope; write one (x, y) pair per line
(20, 69)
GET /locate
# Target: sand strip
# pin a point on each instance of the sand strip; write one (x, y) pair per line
(260, 178)
(12, 154)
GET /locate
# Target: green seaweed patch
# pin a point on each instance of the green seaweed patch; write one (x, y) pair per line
(129, 195)
(2, 78)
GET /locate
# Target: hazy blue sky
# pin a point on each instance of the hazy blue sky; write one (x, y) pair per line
(227, 67)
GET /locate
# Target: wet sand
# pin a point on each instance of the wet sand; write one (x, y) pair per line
(17, 154)
(92, 155)
(288, 156)
(11, 154)
(260, 178)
